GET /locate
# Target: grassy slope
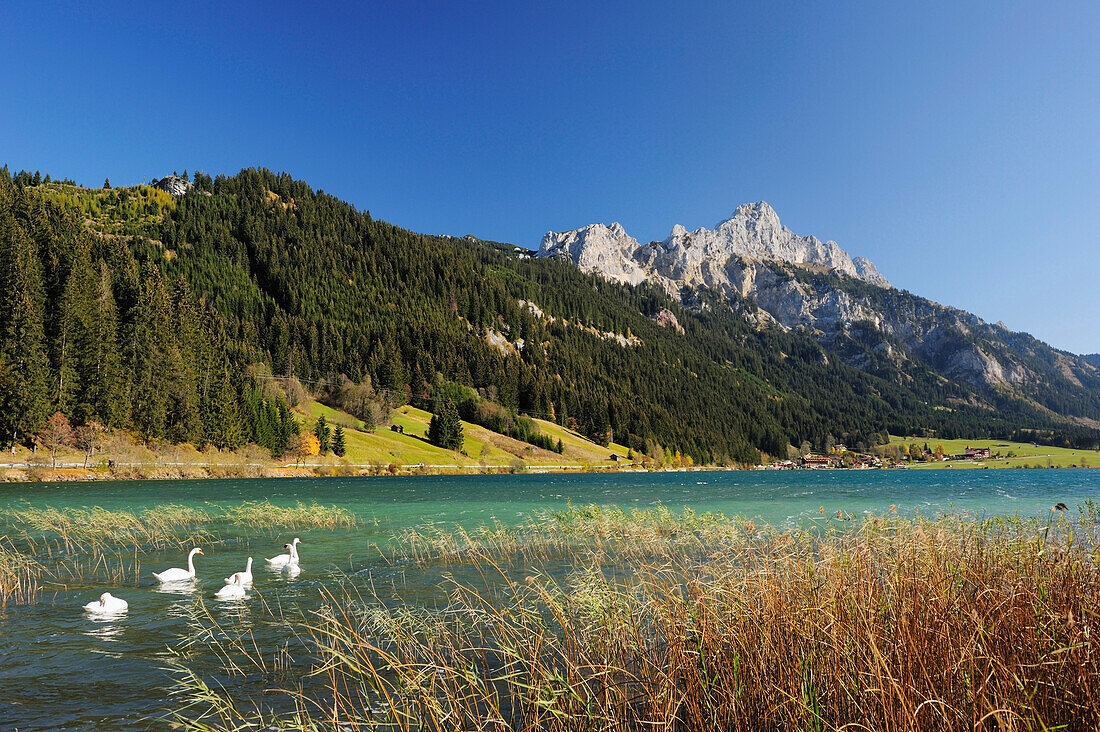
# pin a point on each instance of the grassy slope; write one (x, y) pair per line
(482, 446)
(1025, 453)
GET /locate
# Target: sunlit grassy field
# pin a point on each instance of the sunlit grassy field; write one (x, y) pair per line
(1024, 454)
(482, 446)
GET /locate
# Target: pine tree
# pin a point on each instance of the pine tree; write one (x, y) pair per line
(24, 399)
(230, 422)
(99, 363)
(445, 429)
(321, 432)
(339, 447)
(151, 356)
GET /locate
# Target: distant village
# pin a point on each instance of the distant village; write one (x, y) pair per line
(888, 456)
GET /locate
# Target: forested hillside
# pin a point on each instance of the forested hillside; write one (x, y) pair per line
(106, 337)
(160, 331)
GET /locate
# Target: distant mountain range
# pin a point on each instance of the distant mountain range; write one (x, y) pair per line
(152, 310)
(779, 279)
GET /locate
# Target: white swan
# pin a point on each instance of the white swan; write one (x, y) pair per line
(107, 604)
(175, 574)
(244, 578)
(231, 591)
(284, 560)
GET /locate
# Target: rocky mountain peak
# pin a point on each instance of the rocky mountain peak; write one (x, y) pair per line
(703, 257)
(608, 250)
(758, 218)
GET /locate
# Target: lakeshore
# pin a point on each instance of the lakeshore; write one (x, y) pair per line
(388, 452)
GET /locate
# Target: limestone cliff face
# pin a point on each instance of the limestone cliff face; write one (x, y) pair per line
(739, 255)
(790, 281)
(705, 256)
(605, 250)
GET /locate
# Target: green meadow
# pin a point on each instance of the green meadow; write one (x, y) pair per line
(481, 446)
(1005, 454)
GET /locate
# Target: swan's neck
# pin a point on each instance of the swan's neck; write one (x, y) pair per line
(294, 551)
(191, 562)
(248, 566)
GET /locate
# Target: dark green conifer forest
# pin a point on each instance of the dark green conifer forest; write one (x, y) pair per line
(162, 331)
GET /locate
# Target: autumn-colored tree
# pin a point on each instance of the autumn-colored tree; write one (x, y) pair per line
(57, 434)
(304, 446)
(89, 438)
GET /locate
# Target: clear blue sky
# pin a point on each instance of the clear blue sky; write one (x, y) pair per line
(955, 144)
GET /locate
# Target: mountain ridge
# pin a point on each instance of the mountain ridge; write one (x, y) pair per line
(752, 232)
(794, 282)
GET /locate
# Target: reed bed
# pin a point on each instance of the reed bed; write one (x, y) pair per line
(606, 530)
(116, 568)
(23, 576)
(47, 530)
(263, 515)
(20, 574)
(684, 622)
(81, 529)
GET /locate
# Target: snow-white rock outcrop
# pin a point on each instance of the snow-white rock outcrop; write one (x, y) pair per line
(606, 250)
(754, 232)
(712, 257)
(867, 271)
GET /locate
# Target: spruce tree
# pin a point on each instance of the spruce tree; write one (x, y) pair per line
(152, 359)
(435, 431)
(445, 428)
(230, 428)
(339, 446)
(99, 363)
(321, 432)
(24, 396)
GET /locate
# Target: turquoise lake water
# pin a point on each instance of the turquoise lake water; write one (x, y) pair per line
(60, 669)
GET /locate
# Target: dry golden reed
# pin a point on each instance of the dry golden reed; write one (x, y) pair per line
(701, 622)
(75, 529)
(20, 574)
